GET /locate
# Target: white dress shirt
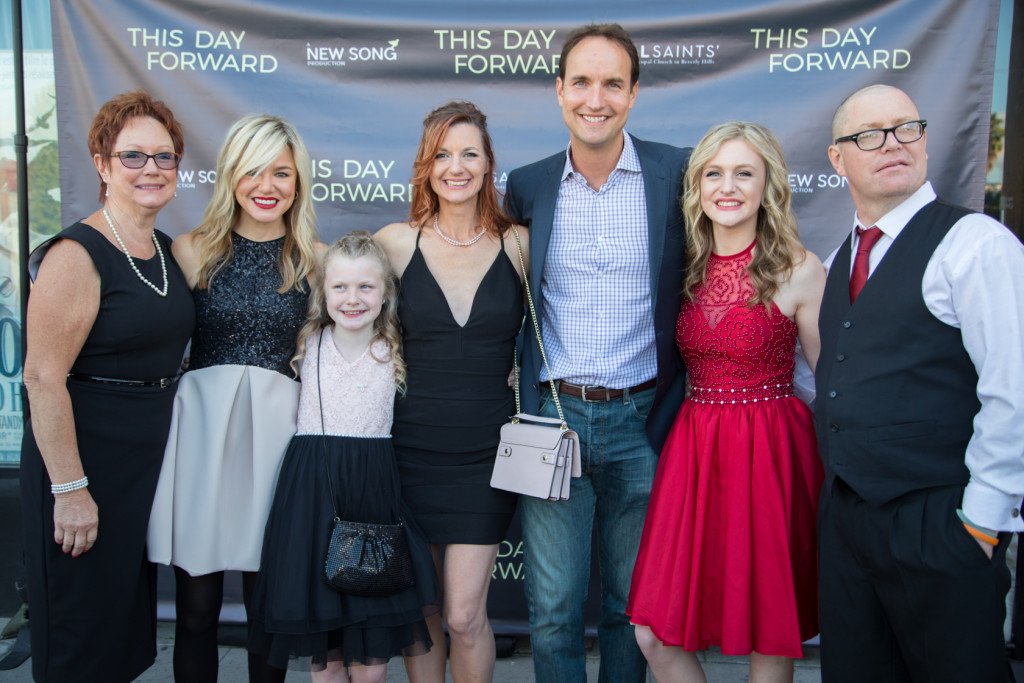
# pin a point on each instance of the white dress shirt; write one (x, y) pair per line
(975, 281)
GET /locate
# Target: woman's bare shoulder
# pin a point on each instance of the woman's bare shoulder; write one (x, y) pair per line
(186, 253)
(399, 242)
(807, 268)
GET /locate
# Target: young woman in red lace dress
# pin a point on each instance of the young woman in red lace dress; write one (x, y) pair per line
(728, 555)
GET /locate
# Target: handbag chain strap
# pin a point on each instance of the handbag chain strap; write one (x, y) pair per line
(323, 429)
(540, 342)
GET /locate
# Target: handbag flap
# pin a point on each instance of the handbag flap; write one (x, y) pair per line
(537, 419)
(544, 436)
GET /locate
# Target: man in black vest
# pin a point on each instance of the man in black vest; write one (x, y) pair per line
(919, 413)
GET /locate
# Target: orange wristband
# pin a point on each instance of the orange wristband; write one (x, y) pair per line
(981, 535)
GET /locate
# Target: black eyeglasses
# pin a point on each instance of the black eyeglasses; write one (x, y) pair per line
(872, 139)
(133, 159)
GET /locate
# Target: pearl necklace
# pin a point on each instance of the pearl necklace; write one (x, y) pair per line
(456, 243)
(131, 261)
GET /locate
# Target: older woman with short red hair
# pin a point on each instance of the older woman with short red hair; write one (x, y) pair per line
(108, 320)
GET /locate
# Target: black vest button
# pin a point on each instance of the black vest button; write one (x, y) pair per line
(841, 357)
(831, 394)
(847, 324)
(1015, 513)
(833, 428)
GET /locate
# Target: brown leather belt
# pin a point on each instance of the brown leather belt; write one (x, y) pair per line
(595, 394)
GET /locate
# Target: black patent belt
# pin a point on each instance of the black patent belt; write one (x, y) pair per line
(163, 382)
(594, 393)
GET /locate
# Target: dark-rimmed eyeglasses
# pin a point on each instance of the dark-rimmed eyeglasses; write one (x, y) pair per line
(133, 159)
(874, 138)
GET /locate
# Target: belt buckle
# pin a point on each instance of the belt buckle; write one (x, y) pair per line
(165, 382)
(583, 394)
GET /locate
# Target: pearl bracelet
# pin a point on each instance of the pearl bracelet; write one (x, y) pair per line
(70, 486)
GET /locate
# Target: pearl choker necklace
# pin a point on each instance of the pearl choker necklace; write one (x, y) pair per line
(456, 243)
(131, 261)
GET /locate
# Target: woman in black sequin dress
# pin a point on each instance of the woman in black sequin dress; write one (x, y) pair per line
(247, 264)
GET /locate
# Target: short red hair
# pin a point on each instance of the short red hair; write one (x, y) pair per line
(115, 114)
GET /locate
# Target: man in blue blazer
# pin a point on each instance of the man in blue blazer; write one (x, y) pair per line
(607, 250)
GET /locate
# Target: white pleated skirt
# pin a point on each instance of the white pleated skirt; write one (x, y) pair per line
(229, 431)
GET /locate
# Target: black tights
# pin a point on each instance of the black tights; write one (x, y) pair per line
(198, 601)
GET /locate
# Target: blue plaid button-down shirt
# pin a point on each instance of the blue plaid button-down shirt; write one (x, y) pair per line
(597, 324)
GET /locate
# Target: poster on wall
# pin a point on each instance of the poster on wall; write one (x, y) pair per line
(41, 115)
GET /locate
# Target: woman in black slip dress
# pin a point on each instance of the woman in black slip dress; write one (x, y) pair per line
(460, 307)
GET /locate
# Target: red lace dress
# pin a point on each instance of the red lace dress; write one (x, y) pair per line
(728, 555)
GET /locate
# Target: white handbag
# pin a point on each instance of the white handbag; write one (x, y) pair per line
(536, 456)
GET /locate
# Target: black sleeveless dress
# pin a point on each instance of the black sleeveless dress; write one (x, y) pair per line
(94, 616)
(446, 426)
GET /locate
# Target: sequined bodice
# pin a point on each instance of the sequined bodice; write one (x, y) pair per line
(241, 319)
(358, 396)
(734, 352)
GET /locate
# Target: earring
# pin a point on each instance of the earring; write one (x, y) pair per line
(106, 192)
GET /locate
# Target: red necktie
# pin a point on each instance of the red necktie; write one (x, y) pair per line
(868, 238)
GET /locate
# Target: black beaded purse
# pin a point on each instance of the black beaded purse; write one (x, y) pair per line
(371, 560)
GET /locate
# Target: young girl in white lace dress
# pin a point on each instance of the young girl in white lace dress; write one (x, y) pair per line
(341, 459)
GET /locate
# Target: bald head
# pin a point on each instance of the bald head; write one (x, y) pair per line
(882, 178)
(839, 119)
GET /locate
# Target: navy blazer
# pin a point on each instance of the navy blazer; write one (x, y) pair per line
(530, 196)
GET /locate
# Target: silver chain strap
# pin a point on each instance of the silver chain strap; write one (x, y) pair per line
(540, 342)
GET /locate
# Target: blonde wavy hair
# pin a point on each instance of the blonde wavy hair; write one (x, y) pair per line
(357, 244)
(778, 246)
(252, 144)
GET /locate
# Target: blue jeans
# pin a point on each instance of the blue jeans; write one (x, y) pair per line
(618, 471)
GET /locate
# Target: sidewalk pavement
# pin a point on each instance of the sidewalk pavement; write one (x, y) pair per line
(515, 669)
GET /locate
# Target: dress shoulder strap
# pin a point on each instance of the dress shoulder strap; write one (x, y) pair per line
(91, 239)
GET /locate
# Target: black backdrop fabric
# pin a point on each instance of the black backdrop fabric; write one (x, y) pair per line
(357, 80)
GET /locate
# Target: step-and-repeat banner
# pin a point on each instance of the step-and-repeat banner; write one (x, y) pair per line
(357, 80)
